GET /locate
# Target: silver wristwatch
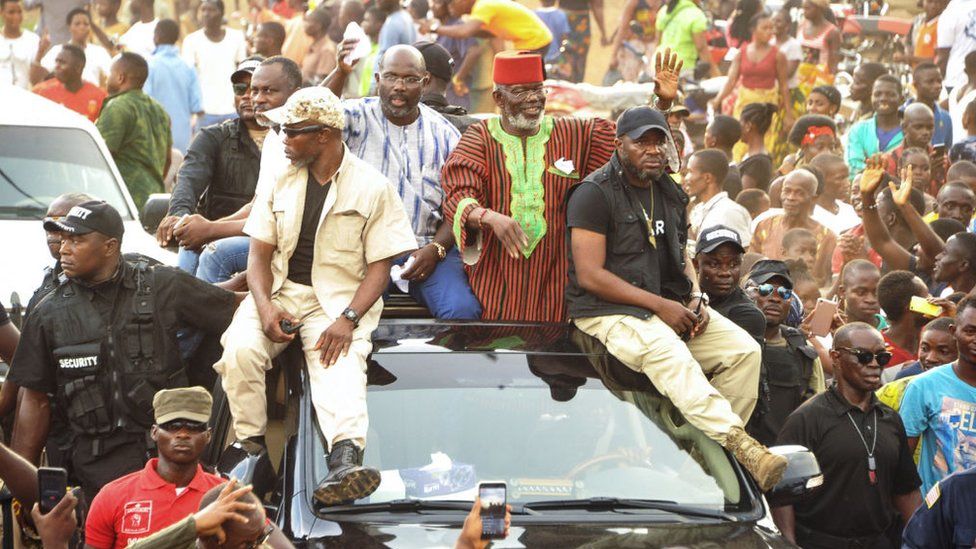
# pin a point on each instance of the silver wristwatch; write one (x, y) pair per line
(352, 316)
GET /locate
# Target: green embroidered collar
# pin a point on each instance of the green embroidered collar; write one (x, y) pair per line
(526, 169)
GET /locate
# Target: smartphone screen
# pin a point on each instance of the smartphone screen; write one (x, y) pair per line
(823, 317)
(52, 484)
(493, 498)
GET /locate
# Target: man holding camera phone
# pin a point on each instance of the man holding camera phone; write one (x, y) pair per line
(323, 239)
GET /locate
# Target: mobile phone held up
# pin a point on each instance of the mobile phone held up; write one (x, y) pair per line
(920, 305)
(823, 317)
(494, 497)
(52, 484)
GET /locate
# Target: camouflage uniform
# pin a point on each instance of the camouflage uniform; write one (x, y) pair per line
(136, 130)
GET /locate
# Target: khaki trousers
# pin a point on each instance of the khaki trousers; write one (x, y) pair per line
(678, 370)
(338, 392)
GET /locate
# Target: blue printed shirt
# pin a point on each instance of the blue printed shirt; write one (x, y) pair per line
(409, 156)
(940, 409)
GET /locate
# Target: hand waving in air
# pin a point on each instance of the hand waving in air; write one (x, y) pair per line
(872, 174)
(900, 194)
(667, 69)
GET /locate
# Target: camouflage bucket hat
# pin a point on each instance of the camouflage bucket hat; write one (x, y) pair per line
(316, 104)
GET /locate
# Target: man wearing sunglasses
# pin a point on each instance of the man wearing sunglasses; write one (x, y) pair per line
(323, 240)
(791, 367)
(939, 406)
(169, 487)
(217, 178)
(863, 451)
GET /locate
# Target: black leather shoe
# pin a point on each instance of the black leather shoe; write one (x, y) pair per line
(348, 480)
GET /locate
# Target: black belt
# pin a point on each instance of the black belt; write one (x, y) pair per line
(826, 540)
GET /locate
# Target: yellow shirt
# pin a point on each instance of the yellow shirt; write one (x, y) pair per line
(514, 22)
(363, 221)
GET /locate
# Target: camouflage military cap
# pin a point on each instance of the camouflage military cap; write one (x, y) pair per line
(315, 104)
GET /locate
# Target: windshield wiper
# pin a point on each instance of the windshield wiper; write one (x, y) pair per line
(614, 504)
(31, 211)
(398, 506)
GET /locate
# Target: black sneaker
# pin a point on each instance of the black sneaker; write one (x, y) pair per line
(348, 480)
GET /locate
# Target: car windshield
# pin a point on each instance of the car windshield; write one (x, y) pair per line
(39, 163)
(552, 426)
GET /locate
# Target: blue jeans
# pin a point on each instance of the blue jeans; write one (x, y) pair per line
(222, 259)
(446, 292)
(188, 260)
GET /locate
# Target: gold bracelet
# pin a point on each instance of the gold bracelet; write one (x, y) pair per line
(441, 251)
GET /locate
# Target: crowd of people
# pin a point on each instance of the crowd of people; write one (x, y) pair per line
(790, 261)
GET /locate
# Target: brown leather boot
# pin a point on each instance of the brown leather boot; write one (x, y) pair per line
(764, 466)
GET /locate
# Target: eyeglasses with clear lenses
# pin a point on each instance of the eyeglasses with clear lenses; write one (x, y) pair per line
(526, 94)
(864, 356)
(392, 79)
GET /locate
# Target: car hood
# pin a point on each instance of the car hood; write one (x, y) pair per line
(24, 244)
(746, 535)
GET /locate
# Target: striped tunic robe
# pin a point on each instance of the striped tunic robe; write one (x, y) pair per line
(527, 288)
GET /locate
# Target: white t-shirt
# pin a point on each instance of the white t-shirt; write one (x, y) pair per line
(139, 38)
(16, 55)
(957, 107)
(720, 210)
(957, 31)
(214, 63)
(845, 218)
(97, 62)
(793, 52)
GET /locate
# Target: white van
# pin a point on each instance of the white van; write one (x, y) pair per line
(47, 150)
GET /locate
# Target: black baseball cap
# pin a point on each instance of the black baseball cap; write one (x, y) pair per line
(711, 238)
(767, 269)
(636, 121)
(438, 60)
(247, 66)
(93, 216)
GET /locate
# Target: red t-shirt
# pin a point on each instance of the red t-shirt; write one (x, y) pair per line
(140, 504)
(87, 101)
(837, 259)
(898, 355)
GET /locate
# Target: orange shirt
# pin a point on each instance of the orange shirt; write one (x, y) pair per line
(926, 38)
(87, 101)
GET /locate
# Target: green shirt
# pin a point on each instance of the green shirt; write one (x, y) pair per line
(182, 535)
(677, 30)
(136, 130)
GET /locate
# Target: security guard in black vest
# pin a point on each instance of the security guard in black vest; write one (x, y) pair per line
(102, 343)
(791, 365)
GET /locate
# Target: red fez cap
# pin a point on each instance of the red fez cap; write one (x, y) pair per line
(518, 67)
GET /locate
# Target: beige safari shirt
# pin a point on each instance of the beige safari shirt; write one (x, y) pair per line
(363, 221)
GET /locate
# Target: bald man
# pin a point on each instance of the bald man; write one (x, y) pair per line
(409, 142)
(918, 127)
(799, 192)
(858, 293)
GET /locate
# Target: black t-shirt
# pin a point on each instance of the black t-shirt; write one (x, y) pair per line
(759, 168)
(300, 264)
(575, 5)
(738, 308)
(733, 182)
(848, 505)
(588, 209)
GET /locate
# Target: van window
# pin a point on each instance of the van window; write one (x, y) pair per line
(39, 163)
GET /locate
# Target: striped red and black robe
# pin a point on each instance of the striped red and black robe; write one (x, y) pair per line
(527, 289)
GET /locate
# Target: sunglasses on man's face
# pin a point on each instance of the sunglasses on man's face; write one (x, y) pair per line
(864, 356)
(766, 289)
(293, 132)
(178, 425)
(240, 88)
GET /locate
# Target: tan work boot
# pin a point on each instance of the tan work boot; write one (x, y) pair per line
(764, 466)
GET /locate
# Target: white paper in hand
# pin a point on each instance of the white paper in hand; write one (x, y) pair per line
(363, 45)
(396, 277)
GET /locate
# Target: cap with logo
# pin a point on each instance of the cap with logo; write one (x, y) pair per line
(94, 216)
(767, 269)
(247, 66)
(711, 238)
(314, 104)
(192, 403)
(636, 121)
(437, 59)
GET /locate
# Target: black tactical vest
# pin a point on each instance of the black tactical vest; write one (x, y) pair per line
(107, 375)
(235, 171)
(788, 370)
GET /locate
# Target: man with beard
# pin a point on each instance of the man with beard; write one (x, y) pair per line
(67, 87)
(629, 288)
(217, 178)
(409, 143)
(956, 265)
(718, 262)
(135, 128)
(798, 195)
(510, 175)
(861, 445)
(323, 240)
(271, 84)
